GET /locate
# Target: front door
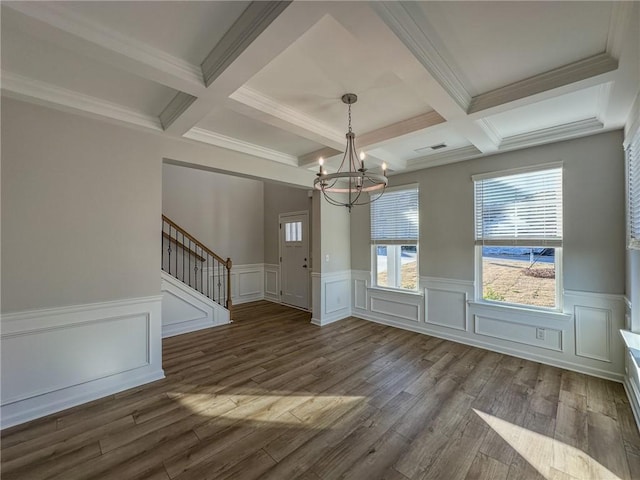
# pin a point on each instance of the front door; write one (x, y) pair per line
(294, 259)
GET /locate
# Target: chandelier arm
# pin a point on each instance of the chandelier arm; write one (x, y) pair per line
(353, 180)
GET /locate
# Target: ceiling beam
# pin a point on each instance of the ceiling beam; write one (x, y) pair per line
(581, 74)
(251, 23)
(54, 23)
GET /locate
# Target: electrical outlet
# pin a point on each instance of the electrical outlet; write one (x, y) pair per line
(540, 333)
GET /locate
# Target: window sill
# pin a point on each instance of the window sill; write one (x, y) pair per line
(415, 293)
(552, 314)
(632, 341)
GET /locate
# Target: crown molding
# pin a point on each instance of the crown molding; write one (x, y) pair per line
(402, 22)
(621, 13)
(24, 88)
(591, 67)
(490, 130)
(219, 140)
(251, 23)
(258, 101)
(166, 69)
(176, 107)
(552, 134)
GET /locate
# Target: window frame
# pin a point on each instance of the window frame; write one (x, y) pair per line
(478, 257)
(632, 190)
(375, 244)
(479, 288)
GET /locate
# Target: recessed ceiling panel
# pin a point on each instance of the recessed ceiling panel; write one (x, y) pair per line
(313, 73)
(418, 144)
(188, 30)
(30, 57)
(232, 124)
(580, 105)
(493, 44)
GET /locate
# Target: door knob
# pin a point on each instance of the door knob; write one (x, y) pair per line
(304, 266)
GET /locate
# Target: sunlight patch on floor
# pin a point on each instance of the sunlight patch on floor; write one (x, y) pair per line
(548, 455)
(263, 407)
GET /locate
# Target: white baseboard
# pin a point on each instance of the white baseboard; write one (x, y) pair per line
(512, 351)
(584, 337)
(57, 358)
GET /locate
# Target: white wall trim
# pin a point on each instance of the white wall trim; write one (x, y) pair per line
(84, 352)
(187, 310)
(582, 338)
(272, 282)
(513, 351)
(334, 300)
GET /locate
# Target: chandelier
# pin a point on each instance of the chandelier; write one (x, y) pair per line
(346, 186)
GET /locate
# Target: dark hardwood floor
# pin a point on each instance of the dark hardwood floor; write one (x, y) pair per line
(273, 397)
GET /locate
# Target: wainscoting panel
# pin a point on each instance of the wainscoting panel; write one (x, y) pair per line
(360, 293)
(57, 358)
(593, 325)
(186, 310)
(247, 283)
(583, 337)
(394, 308)
(335, 299)
(272, 282)
(520, 333)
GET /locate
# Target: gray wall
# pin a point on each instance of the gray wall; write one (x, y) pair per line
(594, 243)
(81, 205)
(281, 199)
(222, 211)
(80, 210)
(335, 237)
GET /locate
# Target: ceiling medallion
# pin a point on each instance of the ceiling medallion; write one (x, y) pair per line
(346, 186)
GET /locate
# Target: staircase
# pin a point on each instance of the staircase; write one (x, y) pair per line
(196, 283)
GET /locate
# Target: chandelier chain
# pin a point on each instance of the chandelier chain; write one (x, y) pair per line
(350, 131)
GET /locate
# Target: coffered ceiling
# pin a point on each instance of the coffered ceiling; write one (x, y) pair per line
(265, 78)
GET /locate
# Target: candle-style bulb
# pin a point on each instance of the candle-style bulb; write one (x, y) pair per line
(321, 162)
(362, 155)
(384, 167)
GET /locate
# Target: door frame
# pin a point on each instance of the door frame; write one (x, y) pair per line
(280, 246)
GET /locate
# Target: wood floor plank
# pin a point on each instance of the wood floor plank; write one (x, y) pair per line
(273, 397)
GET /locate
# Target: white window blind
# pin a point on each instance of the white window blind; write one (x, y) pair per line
(520, 209)
(394, 217)
(633, 191)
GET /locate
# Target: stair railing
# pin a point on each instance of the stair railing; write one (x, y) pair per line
(190, 261)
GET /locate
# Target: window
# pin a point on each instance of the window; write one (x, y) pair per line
(394, 238)
(293, 232)
(633, 191)
(518, 235)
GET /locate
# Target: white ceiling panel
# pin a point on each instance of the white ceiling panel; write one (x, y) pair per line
(417, 144)
(493, 44)
(580, 105)
(42, 61)
(232, 124)
(328, 61)
(187, 29)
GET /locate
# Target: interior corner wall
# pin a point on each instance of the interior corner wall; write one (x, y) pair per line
(223, 211)
(280, 199)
